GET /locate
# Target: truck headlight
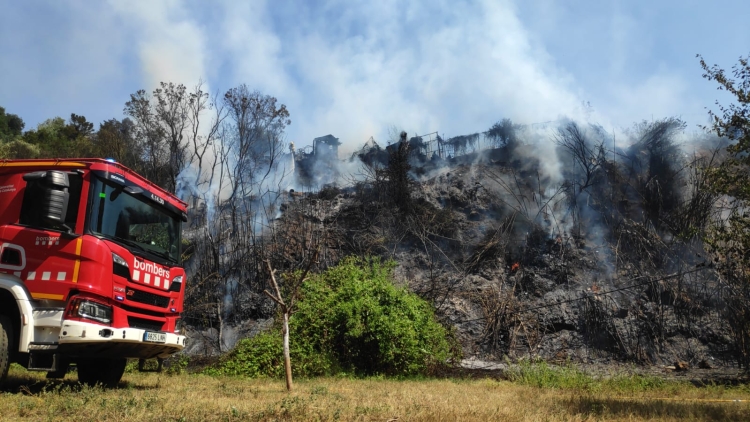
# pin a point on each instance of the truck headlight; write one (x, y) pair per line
(120, 266)
(176, 285)
(87, 309)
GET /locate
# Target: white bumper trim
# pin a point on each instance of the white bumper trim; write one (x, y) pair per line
(79, 333)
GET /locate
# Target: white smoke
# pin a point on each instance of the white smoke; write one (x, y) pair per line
(170, 43)
(381, 64)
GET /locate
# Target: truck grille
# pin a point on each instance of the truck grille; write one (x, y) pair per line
(144, 324)
(147, 298)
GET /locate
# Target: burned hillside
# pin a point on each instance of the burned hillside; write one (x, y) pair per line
(557, 244)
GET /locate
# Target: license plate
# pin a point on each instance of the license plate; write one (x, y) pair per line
(155, 337)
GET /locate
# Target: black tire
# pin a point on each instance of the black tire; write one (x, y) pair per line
(6, 337)
(106, 372)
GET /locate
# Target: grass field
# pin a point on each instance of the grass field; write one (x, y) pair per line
(537, 393)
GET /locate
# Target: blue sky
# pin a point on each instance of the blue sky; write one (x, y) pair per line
(357, 68)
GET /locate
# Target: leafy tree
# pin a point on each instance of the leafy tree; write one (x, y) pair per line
(11, 146)
(116, 139)
(11, 126)
(56, 138)
(729, 238)
(19, 149)
(78, 127)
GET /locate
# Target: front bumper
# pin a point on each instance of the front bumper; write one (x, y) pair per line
(83, 339)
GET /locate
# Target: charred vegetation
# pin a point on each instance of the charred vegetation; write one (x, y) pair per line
(589, 251)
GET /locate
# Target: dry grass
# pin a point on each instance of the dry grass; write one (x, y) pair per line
(161, 397)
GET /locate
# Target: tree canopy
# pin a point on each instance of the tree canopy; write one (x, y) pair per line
(164, 132)
(11, 125)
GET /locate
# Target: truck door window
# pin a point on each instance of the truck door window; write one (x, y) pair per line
(10, 256)
(31, 214)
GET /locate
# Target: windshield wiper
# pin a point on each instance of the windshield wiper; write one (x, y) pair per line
(140, 247)
(130, 243)
(126, 242)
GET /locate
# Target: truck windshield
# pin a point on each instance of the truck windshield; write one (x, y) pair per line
(140, 225)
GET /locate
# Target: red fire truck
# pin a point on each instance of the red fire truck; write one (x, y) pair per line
(90, 269)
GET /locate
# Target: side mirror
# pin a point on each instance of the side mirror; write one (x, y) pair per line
(54, 195)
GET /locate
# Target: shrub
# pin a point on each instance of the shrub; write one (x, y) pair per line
(351, 318)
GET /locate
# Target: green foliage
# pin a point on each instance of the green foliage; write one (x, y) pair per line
(132, 366)
(256, 357)
(116, 139)
(56, 138)
(370, 325)
(11, 145)
(353, 319)
(76, 138)
(177, 364)
(19, 149)
(11, 126)
(540, 374)
(261, 357)
(173, 365)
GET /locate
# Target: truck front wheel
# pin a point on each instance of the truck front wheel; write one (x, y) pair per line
(6, 336)
(101, 371)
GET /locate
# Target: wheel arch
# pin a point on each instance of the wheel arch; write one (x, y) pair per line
(15, 303)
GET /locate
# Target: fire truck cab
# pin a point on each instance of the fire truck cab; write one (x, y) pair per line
(90, 268)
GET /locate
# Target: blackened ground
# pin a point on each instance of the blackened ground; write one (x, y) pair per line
(492, 245)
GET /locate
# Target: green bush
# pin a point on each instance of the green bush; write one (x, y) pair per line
(255, 357)
(352, 319)
(540, 374)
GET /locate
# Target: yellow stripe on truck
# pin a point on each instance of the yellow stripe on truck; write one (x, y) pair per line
(77, 265)
(46, 296)
(41, 164)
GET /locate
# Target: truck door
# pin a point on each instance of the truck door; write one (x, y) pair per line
(51, 247)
